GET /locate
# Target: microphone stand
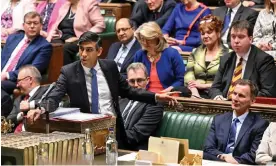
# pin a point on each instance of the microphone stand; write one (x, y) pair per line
(47, 117)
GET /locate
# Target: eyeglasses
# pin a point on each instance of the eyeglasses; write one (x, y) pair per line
(122, 29)
(138, 80)
(87, 49)
(19, 80)
(29, 23)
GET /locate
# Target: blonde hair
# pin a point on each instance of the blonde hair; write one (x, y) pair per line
(151, 30)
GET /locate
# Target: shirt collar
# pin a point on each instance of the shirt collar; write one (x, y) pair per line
(245, 57)
(241, 117)
(159, 10)
(87, 70)
(235, 9)
(33, 91)
(129, 44)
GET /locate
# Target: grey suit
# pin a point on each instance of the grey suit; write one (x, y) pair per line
(16, 104)
(243, 13)
(141, 123)
(260, 69)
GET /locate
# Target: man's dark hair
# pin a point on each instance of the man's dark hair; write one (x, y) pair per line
(130, 22)
(91, 37)
(252, 86)
(32, 15)
(242, 24)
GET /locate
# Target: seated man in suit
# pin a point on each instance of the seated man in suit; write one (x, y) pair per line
(140, 119)
(152, 10)
(235, 136)
(247, 62)
(234, 11)
(122, 52)
(94, 85)
(23, 48)
(29, 84)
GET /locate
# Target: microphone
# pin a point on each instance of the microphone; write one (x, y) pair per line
(46, 93)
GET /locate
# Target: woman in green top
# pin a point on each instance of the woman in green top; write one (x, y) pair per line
(203, 62)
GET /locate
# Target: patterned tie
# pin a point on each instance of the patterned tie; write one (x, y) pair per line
(236, 76)
(95, 93)
(127, 109)
(18, 129)
(232, 135)
(18, 55)
(227, 20)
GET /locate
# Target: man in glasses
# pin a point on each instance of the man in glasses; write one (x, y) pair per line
(22, 48)
(140, 119)
(152, 10)
(28, 82)
(122, 52)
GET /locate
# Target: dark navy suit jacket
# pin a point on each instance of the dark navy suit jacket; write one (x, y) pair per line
(38, 53)
(247, 142)
(114, 49)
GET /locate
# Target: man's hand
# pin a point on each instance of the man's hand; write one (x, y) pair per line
(228, 158)
(71, 39)
(24, 105)
(171, 40)
(248, 3)
(4, 76)
(33, 115)
(165, 97)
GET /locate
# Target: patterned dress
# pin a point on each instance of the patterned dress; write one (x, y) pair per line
(46, 14)
(6, 21)
(265, 30)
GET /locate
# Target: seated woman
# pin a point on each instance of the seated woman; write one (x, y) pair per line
(264, 34)
(203, 62)
(75, 17)
(164, 64)
(12, 13)
(49, 12)
(184, 22)
(266, 151)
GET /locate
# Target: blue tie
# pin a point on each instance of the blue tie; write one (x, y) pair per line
(232, 135)
(95, 93)
(227, 20)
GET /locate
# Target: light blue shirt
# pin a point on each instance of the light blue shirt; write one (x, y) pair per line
(239, 124)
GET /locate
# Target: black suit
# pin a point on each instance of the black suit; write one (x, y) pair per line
(141, 123)
(260, 69)
(6, 103)
(247, 142)
(142, 14)
(114, 49)
(16, 104)
(72, 82)
(243, 13)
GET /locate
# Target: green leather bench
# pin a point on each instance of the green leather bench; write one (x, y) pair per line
(194, 127)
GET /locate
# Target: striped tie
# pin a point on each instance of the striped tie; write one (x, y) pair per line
(236, 76)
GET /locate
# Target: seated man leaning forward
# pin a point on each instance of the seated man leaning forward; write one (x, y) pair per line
(235, 136)
(140, 119)
(245, 62)
(22, 48)
(94, 85)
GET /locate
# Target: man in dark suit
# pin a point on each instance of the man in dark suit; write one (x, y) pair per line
(234, 11)
(29, 84)
(235, 136)
(23, 48)
(256, 65)
(152, 10)
(94, 85)
(140, 119)
(6, 103)
(122, 52)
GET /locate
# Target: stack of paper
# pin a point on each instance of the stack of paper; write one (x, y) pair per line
(63, 111)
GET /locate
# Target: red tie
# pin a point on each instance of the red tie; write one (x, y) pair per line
(18, 55)
(18, 129)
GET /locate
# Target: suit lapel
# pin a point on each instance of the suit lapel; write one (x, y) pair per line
(226, 128)
(131, 53)
(245, 126)
(200, 57)
(116, 49)
(223, 13)
(35, 94)
(132, 113)
(81, 78)
(249, 65)
(238, 14)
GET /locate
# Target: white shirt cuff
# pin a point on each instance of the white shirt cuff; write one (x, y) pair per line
(20, 116)
(32, 104)
(8, 76)
(219, 97)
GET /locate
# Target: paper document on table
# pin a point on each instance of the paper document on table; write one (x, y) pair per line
(62, 111)
(79, 116)
(128, 157)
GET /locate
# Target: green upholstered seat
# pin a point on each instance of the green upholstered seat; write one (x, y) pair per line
(109, 31)
(194, 127)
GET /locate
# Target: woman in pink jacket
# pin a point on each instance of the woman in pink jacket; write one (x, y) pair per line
(75, 17)
(49, 12)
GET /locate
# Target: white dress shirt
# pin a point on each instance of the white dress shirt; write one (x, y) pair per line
(233, 13)
(105, 98)
(239, 124)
